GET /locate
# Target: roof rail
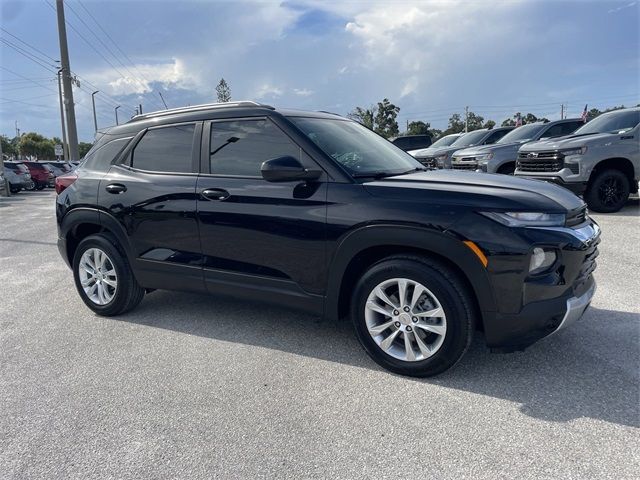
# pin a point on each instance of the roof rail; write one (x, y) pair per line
(196, 108)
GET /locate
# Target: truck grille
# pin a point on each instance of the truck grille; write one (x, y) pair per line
(464, 163)
(540, 161)
(428, 162)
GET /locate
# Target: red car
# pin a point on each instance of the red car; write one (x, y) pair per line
(41, 175)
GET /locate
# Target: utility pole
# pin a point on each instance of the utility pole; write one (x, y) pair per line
(18, 139)
(66, 83)
(65, 145)
(562, 111)
(466, 119)
(93, 102)
(140, 109)
(116, 110)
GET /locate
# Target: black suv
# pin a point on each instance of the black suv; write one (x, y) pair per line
(412, 142)
(317, 212)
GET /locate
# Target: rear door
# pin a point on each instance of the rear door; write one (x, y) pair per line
(151, 195)
(261, 239)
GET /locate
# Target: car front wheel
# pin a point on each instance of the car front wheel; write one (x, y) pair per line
(608, 191)
(104, 278)
(413, 316)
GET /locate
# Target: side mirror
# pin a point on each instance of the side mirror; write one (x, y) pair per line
(287, 169)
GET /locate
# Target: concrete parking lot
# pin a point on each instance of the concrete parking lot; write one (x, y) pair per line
(192, 386)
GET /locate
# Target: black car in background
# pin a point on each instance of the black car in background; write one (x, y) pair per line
(412, 142)
(313, 211)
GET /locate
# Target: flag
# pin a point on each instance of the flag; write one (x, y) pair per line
(584, 115)
(518, 120)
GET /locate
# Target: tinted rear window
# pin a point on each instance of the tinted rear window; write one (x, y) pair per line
(165, 149)
(102, 157)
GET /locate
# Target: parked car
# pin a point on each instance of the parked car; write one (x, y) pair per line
(5, 190)
(501, 156)
(444, 141)
(441, 157)
(18, 176)
(314, 211)
(57, 169)
(412, 142)
(64, 167)
(41, 174)
(600, 160)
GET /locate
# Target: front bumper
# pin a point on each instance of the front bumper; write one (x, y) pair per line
(577, 187)
(576, 306)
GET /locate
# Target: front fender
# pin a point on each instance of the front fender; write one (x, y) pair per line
(442, 244)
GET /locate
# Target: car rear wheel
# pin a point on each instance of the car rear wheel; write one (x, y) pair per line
(608, 191)
(413, 316)
(104, 278)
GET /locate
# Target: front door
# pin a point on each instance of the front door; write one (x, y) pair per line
(260, 239)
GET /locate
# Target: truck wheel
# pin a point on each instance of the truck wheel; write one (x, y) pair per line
(608, 191)
(413, 315)
(104, 278)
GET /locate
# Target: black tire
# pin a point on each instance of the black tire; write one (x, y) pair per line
(30, 186)
(507, 169)
(128, 293)
(451, 292)
(608, 191)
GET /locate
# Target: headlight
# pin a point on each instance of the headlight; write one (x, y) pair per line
(527, 219)
(574, 151)
(485, 157)
(442, 158)
(541, 259)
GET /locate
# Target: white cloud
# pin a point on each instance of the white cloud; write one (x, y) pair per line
(628, 5)
(410, 86)
(302, 92)
(267, 90)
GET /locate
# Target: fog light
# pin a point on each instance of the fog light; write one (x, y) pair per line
(541, 260)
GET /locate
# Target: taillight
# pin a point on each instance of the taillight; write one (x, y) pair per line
(64, 181)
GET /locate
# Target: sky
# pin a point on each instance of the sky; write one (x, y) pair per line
(430, 58)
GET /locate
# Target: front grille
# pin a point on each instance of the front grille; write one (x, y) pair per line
(465, 166)
(574, 167)
(540, 161)
(588, 266)
(428, 162)
(576, 217)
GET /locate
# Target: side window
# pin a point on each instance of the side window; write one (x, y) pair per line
(570, 127)
(495, 136)
(554, 131)
(165, 149)
(103, 157)
(238, 147)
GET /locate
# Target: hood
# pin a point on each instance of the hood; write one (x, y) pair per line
(569, 141)
(433, 152)
(473, 151)
(477, 190)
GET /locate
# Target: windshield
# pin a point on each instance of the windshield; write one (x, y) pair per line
(523, 133)
(618, 122)
(356, 148)
(445, 141)
(469, 139)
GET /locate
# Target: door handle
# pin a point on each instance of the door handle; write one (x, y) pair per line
(115, 188)
(215, 194)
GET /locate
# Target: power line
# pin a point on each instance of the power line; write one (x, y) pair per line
(26, 78)
(27, 54)
(29, 45)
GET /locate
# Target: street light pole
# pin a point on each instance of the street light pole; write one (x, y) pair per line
(93, 102)
(65, 145)
(116, 110)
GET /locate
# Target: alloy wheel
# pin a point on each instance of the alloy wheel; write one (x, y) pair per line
(405, 319)
(611, 191)
(97, 276)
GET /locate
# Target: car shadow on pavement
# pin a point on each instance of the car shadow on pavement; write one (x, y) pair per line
(631, 209)
(589, 370)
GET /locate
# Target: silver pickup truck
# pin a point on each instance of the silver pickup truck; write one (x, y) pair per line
(501, 156)
(600, 160)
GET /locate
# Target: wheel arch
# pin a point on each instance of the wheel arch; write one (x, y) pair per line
(82, 222)
(621, 164)
(368, 245)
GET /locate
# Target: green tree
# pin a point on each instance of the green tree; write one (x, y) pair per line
(8, 146)
(386, 123)
(489, 124)
(435, 133)
(83, 148)
(456, 125)
(508, 122)
(34, 144)
(223, 91)
(418, 128)
(364, 116)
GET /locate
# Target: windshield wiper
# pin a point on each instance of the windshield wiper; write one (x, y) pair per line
(384, 173)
